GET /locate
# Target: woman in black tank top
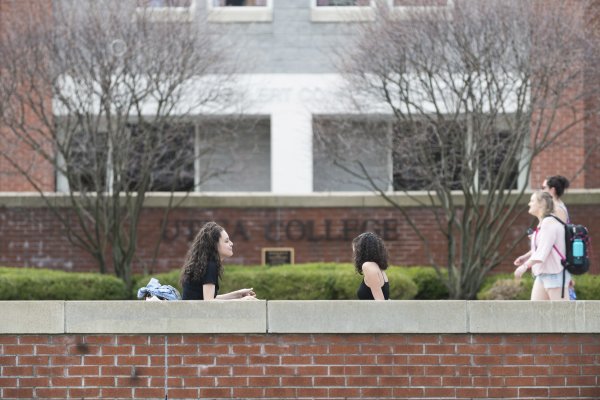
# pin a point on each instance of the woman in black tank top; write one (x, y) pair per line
(370, 260)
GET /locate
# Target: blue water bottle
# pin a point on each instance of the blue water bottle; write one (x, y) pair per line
(577, 251)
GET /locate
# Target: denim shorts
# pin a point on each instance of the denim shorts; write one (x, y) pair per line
(553, 281)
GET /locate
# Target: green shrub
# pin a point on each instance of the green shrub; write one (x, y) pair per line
(505, 287)
(44, 284)
(429, 284)
(314, 281)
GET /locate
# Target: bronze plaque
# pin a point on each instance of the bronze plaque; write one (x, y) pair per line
(277, 255)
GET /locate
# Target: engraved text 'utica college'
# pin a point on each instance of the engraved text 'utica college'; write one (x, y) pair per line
(293, 230)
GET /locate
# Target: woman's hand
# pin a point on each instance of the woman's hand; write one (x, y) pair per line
(520, 271)
(521, 259)
(243, 293)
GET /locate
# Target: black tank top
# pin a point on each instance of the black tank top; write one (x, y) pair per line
(364, 292)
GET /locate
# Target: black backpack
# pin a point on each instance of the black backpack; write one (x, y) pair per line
(577, 239)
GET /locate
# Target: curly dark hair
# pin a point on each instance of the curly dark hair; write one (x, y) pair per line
(204, 248)
(558, 182)
(369, 247)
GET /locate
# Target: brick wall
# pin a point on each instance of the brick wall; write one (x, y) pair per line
(311, 366)
(32, 237)
(39, 169)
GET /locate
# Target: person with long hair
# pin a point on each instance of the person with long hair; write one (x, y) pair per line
(371, 261)
(556, 185)
(547, 243)
(203, 266)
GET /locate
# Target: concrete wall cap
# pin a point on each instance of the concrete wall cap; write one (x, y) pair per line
(299, 316)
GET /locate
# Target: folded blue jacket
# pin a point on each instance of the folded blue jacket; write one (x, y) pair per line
(154, 288)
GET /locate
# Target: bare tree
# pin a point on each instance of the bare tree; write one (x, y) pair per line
(103, 93)
(476, 91)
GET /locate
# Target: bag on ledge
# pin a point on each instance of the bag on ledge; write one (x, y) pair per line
(154, 291)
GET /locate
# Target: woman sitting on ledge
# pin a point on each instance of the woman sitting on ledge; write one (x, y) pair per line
(370, 260)
(204, 266)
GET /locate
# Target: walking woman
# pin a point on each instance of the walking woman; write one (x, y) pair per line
(203, 266)
(547, 241)
(556, 185)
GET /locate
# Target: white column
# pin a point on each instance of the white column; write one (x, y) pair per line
(291, 150)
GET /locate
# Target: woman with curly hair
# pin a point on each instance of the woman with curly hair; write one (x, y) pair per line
(370, 260)
(204, 266)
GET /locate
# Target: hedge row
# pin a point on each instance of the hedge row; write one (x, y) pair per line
(300, 282)
(316, 281)
(44, 284)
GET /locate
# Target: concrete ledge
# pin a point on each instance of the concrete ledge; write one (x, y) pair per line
(32, 317)
(534, 316)
(319, 316)
(367, 316)
(165, 317)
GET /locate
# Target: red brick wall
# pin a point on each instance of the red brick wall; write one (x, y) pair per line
(314, 366)
(592, 133)
(38, 169)
(32, 237)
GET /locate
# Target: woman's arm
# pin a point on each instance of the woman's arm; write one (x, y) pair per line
(241, 294)
(373, 279)
(521, 259)
(523, 268)
(208, 291)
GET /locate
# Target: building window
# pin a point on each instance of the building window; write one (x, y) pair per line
(344, 149)
(225, 155)
(351, 154)
(427, 156)
(160, 158)
(495, 157)
(240, 10)
(234, 155)
(164, 155)
(342, 10)
(82, 162)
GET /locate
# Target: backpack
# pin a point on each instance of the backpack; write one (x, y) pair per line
(577, 239)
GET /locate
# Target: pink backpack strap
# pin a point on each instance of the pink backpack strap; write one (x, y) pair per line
(559, 253)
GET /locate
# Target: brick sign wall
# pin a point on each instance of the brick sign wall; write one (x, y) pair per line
(32, 237)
